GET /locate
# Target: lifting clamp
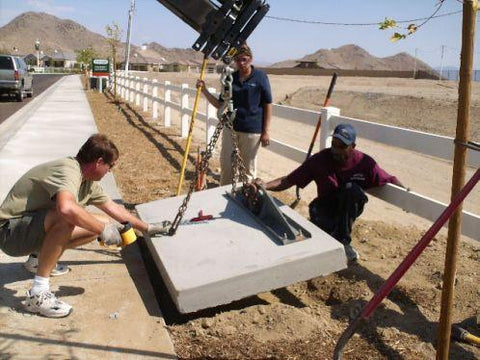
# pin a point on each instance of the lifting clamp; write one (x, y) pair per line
(222, 28)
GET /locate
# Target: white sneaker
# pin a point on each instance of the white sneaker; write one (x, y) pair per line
(32, 264)
(46, 304)
(352, 254)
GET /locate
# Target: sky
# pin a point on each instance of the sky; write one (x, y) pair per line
(277, 40)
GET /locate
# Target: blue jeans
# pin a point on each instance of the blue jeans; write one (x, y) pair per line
(336, 213)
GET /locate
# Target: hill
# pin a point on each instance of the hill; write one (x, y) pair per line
(353, 57)
(169, 55)
(52, 32)
(67, 36)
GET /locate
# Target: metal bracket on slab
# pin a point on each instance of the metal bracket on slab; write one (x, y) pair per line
(267, 213)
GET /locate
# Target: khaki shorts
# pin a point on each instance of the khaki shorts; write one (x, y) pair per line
(23, 236)
(248, 145)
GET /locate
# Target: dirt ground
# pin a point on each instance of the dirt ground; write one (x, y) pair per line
(305, 320)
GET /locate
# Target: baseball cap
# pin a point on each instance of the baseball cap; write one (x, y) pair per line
(346, 133)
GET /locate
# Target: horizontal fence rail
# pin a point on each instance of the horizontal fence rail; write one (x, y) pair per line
(144, 92)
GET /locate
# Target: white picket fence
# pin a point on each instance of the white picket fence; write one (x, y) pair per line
(145, 94)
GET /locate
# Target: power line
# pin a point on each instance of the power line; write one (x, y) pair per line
(440, 4)
(357, 24)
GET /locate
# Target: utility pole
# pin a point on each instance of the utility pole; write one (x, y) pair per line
(458, 177)
(415, 64)
(37, 47)
(441, 62)
(129, 35)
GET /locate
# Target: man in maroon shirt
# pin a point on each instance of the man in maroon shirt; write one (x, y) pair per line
(341, 173)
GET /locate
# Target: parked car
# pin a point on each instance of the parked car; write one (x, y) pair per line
(15, 78)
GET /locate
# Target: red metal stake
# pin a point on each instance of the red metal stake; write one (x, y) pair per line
(390, 283)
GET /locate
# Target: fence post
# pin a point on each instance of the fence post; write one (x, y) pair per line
(137, 91)
(132, 89)
(129, 84)
(167, 111)
(325, 129)
(122, 85)
(155, 99)
(211, 115)
(183, 111)
(145, 94)
(127, 88)
(119, 84)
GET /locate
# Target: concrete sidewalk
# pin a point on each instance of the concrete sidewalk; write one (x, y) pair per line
(115, 313)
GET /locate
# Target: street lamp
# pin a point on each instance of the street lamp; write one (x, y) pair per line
(37, 47)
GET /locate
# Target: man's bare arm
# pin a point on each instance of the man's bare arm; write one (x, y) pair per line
(69, 209)
(279, 184)
(119, 213)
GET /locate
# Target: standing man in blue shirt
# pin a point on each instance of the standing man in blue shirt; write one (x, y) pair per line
(252, 97)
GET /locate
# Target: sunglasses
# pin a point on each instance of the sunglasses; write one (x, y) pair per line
(242, 59)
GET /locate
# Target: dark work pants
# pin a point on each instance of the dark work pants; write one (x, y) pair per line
(336, 213)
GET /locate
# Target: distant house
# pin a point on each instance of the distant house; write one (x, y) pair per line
(308, 65)
(30, 59)
(193, 66)
(147, 59)
(144, 59)
(59, 59)
(177, 66)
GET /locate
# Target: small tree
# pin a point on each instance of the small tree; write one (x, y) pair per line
(114, 37)
(411, 28)
(85, 56)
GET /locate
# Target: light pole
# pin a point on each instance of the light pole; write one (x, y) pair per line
(37, 47)
(441, 62)
(129, 35)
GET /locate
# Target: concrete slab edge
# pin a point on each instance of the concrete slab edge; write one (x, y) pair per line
(13, 123)
(243, 286)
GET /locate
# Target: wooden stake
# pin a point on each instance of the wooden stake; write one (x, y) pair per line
(458, 177)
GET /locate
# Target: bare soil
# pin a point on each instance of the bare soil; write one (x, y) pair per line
(305, 320)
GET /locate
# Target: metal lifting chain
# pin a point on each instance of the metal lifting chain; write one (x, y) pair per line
(226, 114)
(238, 166)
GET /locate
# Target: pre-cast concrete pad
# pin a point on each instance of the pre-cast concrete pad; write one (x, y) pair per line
(230, 257)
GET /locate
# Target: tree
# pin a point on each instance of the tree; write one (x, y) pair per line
(411, 28)
(85, 56)
(114, 36)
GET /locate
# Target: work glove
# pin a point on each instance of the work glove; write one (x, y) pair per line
(110, 235)
(160, 228)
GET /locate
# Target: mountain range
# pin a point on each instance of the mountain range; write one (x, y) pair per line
(353, 57)
(67, 36)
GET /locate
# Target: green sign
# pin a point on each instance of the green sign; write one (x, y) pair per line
(100, 67)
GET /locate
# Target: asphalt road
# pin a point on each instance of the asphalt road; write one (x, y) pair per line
(8, 105)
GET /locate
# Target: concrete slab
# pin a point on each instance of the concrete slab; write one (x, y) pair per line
(231, 257)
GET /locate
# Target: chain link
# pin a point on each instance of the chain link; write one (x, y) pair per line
(239, 171)
(201, 169)
(226, 114)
